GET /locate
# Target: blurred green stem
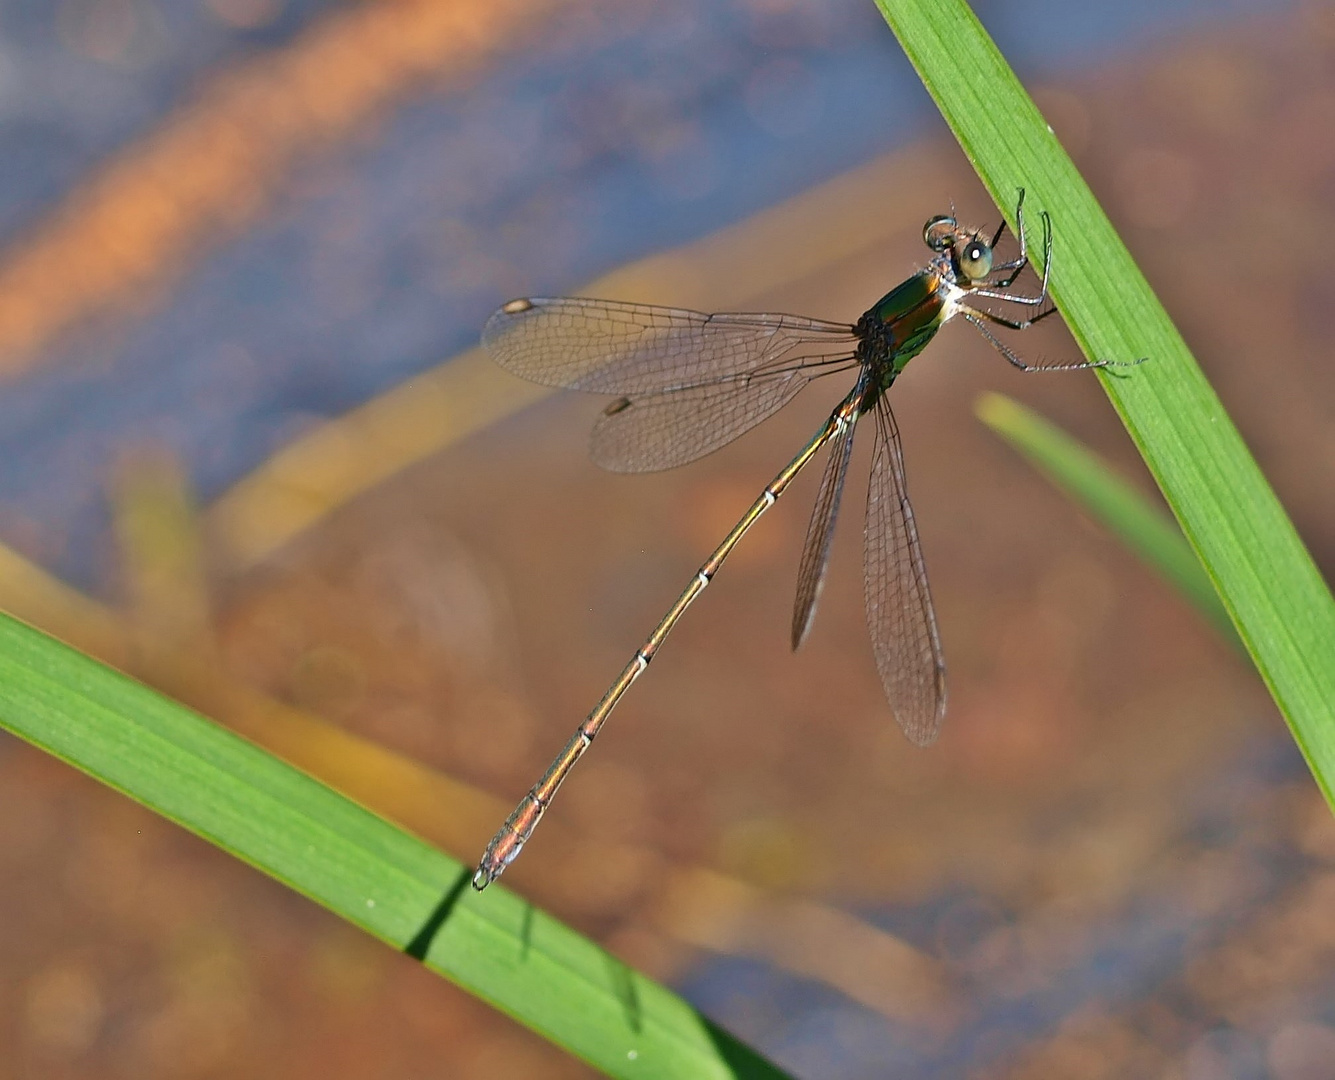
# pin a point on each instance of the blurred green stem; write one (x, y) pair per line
(1088, 481)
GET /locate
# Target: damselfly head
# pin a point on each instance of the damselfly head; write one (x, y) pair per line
(970, 254)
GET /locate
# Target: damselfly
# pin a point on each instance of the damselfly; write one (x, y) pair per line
(688, 383)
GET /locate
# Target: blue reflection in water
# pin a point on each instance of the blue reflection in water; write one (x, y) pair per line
(385, 257)
(1128, 964)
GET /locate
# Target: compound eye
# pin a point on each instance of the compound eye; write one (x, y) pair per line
(975, 259)
(939, 232)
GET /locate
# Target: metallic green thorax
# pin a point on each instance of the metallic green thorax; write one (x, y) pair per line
(900, 324)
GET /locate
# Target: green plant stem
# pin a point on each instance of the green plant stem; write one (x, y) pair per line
(1088, 481)
(359, 866)
(1276, 600)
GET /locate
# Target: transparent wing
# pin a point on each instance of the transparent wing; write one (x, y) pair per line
(607, 347)
(904, 638)
(662, 431)
(816, 550)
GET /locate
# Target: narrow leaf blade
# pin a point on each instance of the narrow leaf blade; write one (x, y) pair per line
(1089, 482)
(1276, 600)
(357, 865)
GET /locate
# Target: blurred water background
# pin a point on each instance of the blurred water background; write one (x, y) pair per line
(224, 224)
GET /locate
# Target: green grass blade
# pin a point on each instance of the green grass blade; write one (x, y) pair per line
(1282, 610)
(1087, 480)
(359, 866)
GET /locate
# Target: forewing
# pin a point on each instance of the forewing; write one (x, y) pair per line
(820, 532)
(608, 347)
(662, 431)
(904, 638)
